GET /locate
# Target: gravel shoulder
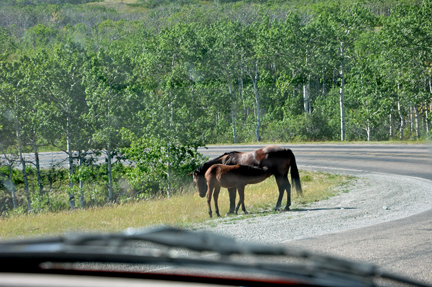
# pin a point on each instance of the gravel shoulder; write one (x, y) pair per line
(370, 199)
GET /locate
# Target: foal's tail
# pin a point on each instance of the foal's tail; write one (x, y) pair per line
(295, 176)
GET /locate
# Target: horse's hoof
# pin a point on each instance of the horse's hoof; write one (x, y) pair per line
(277, 208)
(246, 212)
(287, 208)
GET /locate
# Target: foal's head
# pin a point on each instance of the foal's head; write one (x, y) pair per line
(201, 183)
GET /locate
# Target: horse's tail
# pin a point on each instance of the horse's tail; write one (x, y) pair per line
(295, 176)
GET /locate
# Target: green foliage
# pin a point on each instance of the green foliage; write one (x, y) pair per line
(40, 36)
(4, 177)
(159, 165)
(7, 43)
(305, 127)
(40, 202)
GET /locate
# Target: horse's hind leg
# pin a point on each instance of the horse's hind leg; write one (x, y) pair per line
(232, 197)
(241, 200)
(281, 185)
(215, 197)
(288, 190)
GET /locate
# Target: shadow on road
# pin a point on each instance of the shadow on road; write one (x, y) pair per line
(323, 208)
(294, 209)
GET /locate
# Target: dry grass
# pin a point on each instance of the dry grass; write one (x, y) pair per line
(179, 210)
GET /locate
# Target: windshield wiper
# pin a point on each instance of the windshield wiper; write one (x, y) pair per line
(118, 248)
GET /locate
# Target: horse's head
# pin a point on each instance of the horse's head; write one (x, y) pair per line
(201, 183)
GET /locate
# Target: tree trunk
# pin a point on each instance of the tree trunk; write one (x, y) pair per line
(368, 131)
(12, 186)
(323, 84)
(81, 182)
(402, 121)
(245, 114)
(341, 99)
(37, 163)
(70, 161)
(411, 121)
(417, 122)
(110, 181)
(306, 87)
(426, 118)
(254, 79)
(391, 126)
(306, 96)
(233, 120)
(232, 106)
(241, 89)
(24, 173)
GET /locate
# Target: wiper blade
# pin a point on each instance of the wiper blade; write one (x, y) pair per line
(110, 247)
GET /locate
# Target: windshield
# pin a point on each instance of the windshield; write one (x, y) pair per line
(301, 124)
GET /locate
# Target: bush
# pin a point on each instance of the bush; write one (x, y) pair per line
(4, 176)
(160, 166)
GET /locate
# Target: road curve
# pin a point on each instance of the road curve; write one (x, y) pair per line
(402, 246)
(412, 160)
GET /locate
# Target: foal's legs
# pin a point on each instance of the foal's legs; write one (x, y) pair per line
(215, 197)
(232, 197)
(241, 200)
(210, 187)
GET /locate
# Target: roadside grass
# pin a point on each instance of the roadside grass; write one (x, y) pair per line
(181, 210)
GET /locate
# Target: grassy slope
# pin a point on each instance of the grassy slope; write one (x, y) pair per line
(180, 210)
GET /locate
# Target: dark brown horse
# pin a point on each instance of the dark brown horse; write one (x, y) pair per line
(231, 176)
(276, 159)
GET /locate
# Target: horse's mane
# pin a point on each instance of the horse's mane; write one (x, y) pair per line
(202, 169)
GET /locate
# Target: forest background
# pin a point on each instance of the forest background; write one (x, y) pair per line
(151, 81)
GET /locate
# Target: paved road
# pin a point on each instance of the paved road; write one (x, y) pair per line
(402, 246)
(412, 160)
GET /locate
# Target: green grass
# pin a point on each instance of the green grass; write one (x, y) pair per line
(183, 209)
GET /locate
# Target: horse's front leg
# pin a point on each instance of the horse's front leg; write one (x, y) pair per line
(209, 196)
(215, 197)
(232, 198)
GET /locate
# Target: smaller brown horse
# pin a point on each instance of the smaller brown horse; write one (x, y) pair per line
(231, 176)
